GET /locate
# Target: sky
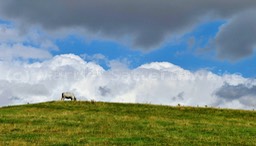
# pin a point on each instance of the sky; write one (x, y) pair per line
(188, 52)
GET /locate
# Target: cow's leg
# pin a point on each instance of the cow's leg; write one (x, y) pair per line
(62, 97)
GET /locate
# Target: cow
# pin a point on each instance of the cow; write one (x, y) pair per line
(68, 95)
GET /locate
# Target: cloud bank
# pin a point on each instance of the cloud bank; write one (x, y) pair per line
(155, 83)
(146, 24)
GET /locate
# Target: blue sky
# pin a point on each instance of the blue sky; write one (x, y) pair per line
(161, 52)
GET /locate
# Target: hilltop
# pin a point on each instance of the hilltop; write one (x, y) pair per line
(99, 123)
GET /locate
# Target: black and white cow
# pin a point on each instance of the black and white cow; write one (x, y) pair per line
(68, 95)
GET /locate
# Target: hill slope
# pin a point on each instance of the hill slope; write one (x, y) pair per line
(97, 123)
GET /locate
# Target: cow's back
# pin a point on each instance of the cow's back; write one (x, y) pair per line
(68, 94)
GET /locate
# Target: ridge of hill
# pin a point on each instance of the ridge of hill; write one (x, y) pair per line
(99, 123)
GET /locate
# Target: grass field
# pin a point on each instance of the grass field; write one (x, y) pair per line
(98, 123)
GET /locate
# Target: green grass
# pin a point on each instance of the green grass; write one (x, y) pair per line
(98, 123)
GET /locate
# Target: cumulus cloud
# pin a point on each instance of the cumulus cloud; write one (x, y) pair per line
(156, 83)
(236, 39)
(146, 23)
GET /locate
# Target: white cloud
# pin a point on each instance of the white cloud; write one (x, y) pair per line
(9, 52)
(30, 45)
(156, 83)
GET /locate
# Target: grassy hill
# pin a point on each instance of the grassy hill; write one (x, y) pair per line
(98, 123)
